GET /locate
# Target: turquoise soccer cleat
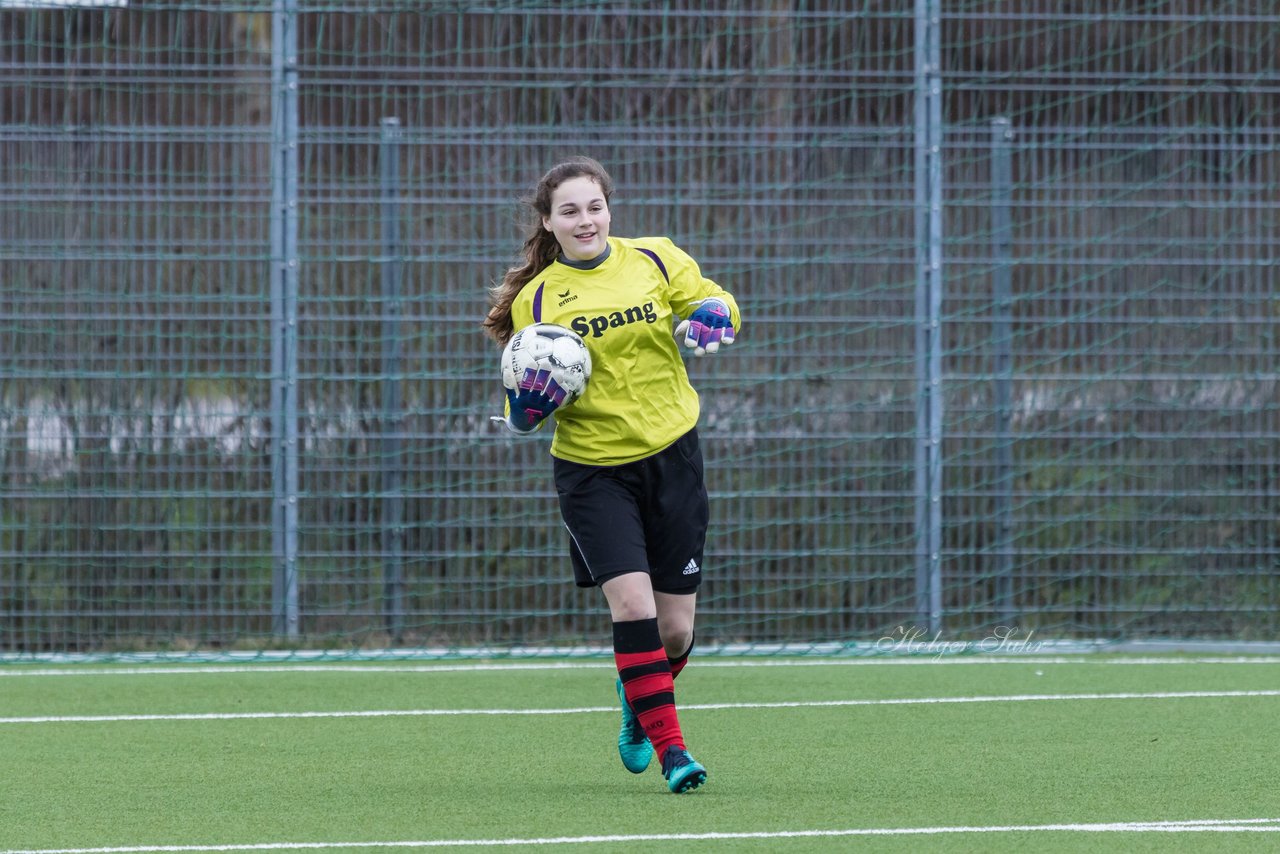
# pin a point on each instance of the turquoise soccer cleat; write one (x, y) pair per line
(683, 772)
(633, 744)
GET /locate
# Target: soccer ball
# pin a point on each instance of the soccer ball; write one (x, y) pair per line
(551, 348)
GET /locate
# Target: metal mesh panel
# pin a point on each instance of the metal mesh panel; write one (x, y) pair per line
(1139, 475)
(1109, 323)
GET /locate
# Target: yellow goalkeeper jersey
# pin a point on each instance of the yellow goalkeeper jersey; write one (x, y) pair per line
(639, 399)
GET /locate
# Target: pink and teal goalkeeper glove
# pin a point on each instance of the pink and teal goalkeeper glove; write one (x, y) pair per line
(707, 328)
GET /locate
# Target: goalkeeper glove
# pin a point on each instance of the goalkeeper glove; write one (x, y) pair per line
(707, 328)
(539, 395)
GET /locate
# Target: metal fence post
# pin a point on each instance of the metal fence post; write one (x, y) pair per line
(928, 317)
(284, 317)
(392, 410)
(1002, 369)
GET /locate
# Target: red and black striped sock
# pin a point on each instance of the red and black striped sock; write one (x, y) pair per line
(646, 680)
(677, 664)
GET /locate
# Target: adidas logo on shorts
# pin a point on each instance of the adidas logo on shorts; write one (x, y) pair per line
(690, 568)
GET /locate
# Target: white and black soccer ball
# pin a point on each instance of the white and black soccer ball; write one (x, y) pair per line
(547, 347)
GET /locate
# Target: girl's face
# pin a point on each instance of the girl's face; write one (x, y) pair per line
(579, 218)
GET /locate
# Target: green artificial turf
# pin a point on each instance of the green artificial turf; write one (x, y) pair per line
(485, 774)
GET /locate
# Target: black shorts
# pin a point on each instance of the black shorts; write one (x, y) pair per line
(646, 516)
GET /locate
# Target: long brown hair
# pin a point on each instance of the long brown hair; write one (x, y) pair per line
(540, 247)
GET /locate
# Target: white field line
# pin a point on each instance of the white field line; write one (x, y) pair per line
(798, 704)
(1242, 825)
(17, 670)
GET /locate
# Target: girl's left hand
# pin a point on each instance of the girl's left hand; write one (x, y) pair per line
(707, 328)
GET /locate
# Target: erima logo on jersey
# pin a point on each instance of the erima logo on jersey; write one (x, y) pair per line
(596, 326)
(690, 568)
(566, 298)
